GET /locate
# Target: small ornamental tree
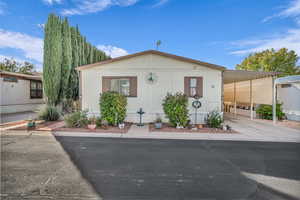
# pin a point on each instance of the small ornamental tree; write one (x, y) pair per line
(266, 111)
(113, 107)
(176, 109)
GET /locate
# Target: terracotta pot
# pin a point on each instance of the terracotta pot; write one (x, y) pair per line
(121, 126)
(92, 126)
(200, 125)
(158, 125)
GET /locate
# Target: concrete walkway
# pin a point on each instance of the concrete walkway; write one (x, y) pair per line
(248, 131)
(11, 117)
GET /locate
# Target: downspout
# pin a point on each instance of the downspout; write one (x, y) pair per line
(274, 99)
(222, 92)
(80, 89)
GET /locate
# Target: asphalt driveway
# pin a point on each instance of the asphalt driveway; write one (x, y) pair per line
(35, 167)
(181, 169)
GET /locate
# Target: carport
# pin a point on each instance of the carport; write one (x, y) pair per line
(245, 90)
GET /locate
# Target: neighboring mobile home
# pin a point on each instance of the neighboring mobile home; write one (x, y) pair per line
(288, 93)
(146, 78)
(20, 92)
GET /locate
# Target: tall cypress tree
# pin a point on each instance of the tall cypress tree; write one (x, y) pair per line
(79, 47)
(66, 57)
(64, 50)
(91, 55)
(72, 92)
(52, 59)
(83, 50)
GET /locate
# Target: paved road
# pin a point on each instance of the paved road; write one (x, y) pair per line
(144, 169)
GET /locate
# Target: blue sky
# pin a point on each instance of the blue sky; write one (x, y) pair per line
(218, 31)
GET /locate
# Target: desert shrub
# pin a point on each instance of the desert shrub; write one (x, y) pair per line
(77, 119)
(266, 111)
(49, 113)
(214, 119)
(113, 107)
(176, 109)
(69, 106)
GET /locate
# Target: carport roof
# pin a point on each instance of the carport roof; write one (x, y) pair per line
(231, 76)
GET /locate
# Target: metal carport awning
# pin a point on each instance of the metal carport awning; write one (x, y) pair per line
(231, 76)
(234, 76)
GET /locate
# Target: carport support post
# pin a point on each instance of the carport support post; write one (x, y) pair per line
(251, 101)
(234, 97)
(274, 102)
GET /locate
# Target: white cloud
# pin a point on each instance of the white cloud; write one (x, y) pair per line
(289, 40)
(292, 10)
(32, 47)
(112, 51)
(93, 6)
(41, 26)
(51, 2)
(298, 21)
(2, 8)
(160, 3)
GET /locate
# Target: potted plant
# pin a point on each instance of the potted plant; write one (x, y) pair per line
(121, 125)
(178, 126)
(224, 127)
(31, 124)
(199, 126)
(158, 122)
(92, 123)
(104, 124)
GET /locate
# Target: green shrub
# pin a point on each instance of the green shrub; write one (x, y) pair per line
(214, 119)
(266, 111)
(49, 113)
(113, 107)
(176, 109)
(77, 119)
(98, 122)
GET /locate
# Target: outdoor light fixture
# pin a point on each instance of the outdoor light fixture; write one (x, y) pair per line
(151, 78)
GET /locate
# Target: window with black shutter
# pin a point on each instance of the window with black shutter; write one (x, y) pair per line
(36, 89)
(126, 85)
(193, 86)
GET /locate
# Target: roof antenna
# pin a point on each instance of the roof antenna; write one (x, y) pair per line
(158, 43)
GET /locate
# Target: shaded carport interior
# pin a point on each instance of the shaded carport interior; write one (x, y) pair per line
(247, 88)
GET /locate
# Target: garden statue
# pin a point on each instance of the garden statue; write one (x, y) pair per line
(140, 112)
